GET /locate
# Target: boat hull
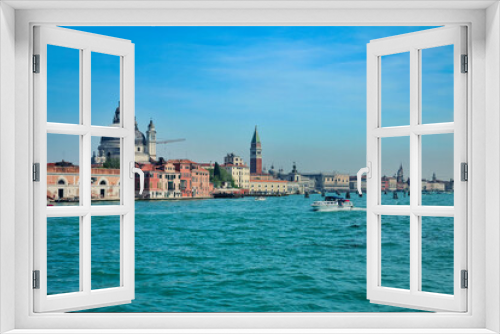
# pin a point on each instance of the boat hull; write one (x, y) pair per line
(331, 208)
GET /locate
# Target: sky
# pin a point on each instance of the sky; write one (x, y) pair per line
(303, 87)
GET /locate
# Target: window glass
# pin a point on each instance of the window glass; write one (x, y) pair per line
(395, 89)
(63, 85)
(105, 252)
(437, 170)
(395, 252)
(63, 170)
(437, 254)
(395, 187)
(105, 172)
(63, 255)
(105, 76)
(437, 84)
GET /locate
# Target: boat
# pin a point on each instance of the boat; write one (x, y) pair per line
(260, 198)
(332, 203)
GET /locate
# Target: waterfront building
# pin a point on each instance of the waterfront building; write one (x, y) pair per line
(393, 183)
(330, 181)
(256, 154)
(194, 180)
(268, 187)
(293, 187)
(384, 183)
(160, 181)
(298, 183)
(240, 174)
(63, 182)
(145, 147)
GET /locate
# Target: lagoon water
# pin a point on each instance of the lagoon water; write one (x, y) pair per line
(242, 255)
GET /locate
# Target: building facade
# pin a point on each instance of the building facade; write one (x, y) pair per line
(268, 187)
(194, 180)
(160, 182)
(330, 181)
(240, 175)
(63, 183)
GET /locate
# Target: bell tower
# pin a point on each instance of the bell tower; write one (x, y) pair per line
(255, 154)
(151, 140)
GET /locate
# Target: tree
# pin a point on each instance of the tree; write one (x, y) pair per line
(219, 175)
(111, 163)
(217, 170)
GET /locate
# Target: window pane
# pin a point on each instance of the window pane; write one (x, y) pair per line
(105, 252)
(437, 254)
(105, 88)
(396, 251)
(395, 89)
(437, 84)
(437, 170)
(63, 170)
(105, 174)
(63, 85)
(395, 171)
(63, 255)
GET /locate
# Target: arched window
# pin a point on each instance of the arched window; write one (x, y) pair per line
(102, 183)
(138, 149)
(61, 182)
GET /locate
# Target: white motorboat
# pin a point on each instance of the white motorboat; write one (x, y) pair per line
(260, 198)
(333, 203)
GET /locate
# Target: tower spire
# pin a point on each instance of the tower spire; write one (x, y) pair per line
(256, 154)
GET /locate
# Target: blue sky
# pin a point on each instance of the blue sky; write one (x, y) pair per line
(304, 87)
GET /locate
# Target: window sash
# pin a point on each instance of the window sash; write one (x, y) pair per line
(86, 297)
(413, 43)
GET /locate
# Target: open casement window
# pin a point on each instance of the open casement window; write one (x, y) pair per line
(417, 125)
(68, 223)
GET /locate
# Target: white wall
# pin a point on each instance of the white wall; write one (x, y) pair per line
(7, 170)
(492, 163)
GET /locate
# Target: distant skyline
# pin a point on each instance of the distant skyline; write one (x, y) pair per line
(304, 87)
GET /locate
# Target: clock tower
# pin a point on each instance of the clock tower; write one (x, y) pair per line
(255, 154)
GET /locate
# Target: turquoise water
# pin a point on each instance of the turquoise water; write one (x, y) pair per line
(242, 255)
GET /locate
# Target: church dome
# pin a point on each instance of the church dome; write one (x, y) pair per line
(140, 139)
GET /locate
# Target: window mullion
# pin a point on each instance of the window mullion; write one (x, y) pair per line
(85, 168)
(415, 242)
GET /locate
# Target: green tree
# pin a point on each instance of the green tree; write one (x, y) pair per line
(217, 170)
(219, 175)
(111, 163)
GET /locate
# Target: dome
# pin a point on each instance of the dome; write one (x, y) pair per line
(110, 141)
(140, 139)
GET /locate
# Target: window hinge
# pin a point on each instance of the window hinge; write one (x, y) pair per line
(464, 171)
(465, 64)
(36, 63)
(36, 172)
(36, 279)
(465, 279)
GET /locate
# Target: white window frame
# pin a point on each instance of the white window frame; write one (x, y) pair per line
(86, 44)
(413, 44)
(484, 212)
